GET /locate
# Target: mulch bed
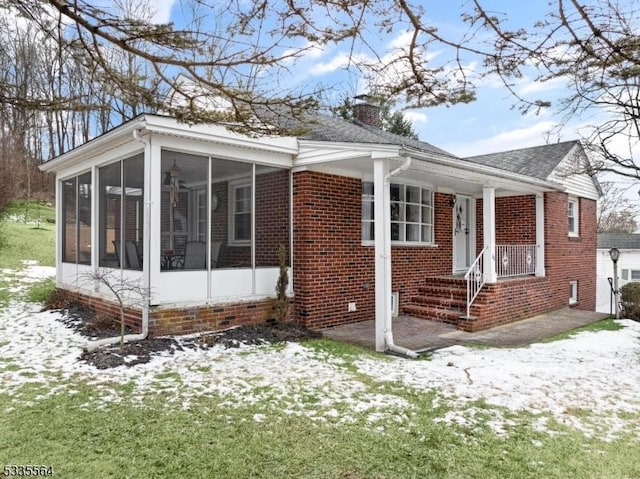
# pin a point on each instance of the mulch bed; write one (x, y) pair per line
(84, 321)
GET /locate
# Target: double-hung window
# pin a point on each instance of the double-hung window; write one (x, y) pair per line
(573, 215)
(411, 213)
(240, 214)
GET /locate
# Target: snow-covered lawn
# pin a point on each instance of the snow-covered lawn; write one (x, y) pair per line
(590, 382)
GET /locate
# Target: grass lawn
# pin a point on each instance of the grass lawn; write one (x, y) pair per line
(318, 410)
(211, 439)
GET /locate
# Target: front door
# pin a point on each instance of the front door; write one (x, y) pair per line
(462, 233)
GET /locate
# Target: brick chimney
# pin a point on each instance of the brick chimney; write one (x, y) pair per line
(365, 112)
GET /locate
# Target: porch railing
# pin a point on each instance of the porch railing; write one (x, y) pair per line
(475, 279)
(511, 260)
(515, 260)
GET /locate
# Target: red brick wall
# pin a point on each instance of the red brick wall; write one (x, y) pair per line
(568, 258)
(209, 318)
(509, 300)
(515, 221)
(332, 268)
(182, 320)
(132, 317)
(272, 216)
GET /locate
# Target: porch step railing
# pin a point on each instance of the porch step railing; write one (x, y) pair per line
(515, 260)
(475, 279)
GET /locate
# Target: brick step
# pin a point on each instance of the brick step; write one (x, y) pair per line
(444, 279)
(443, 292)
(439, 302)
(449, 316)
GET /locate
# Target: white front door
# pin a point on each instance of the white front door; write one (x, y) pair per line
(463, 224)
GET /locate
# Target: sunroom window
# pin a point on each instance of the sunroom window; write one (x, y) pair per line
(121, 193)
(411, 213)
(76, 211)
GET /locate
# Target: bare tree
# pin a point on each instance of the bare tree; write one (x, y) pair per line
(239, 51)
(128, 293)
(616, 212)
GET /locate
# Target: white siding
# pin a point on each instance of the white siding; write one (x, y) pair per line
(629, 259)
(578, 184)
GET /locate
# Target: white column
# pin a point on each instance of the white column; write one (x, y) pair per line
(59, 225)
(151, 235)
(540, 235)
(95, 224)
(382, 232)
(489, 233)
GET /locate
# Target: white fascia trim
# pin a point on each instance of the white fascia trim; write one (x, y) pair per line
(220, 134)
(316, 152)
(99, 144)
(170, 127)
(474, 170)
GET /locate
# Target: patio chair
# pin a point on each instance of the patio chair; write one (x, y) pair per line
(215, 253)
(195, 255)
(131, 252)
(116, 245)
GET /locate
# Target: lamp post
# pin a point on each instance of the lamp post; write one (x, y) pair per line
(614, 253)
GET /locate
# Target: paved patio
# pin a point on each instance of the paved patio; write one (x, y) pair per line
(423, 335)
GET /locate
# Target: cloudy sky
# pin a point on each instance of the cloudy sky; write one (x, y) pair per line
(486, 125)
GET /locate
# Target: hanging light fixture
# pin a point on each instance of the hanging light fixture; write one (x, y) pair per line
(173, 175)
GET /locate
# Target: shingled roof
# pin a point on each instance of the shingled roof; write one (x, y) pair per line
(537, 162)
(618, 240)
(320, 127)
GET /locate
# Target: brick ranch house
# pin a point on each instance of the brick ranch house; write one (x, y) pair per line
(375, 225)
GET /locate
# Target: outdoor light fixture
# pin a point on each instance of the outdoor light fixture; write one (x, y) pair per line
(614, 253)
(453, 201)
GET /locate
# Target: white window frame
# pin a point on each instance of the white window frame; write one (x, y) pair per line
(200, 213)
(233, 187)
(631, 275)
(366, 198)
(573, 211)
(573, 292)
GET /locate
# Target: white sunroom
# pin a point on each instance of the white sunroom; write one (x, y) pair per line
(195, 214)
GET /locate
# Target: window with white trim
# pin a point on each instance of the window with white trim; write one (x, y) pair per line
(240, 212)
(411, 213)
(634, 275)
(573, 292)
(573, 215)
(201, 214)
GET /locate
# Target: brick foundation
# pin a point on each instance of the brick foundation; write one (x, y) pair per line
(182, 320)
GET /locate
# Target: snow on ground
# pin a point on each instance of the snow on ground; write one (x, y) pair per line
(594, 374)
(590, 382)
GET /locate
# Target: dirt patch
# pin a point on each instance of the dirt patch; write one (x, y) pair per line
(139, 352)
(84, 321)
(258, 334)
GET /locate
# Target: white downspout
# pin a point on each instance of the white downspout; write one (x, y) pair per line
(146, 270)
(388, 333)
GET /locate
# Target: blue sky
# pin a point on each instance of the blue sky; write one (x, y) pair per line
(486, 125)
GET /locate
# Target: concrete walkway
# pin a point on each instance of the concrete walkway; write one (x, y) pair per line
(423, 335)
